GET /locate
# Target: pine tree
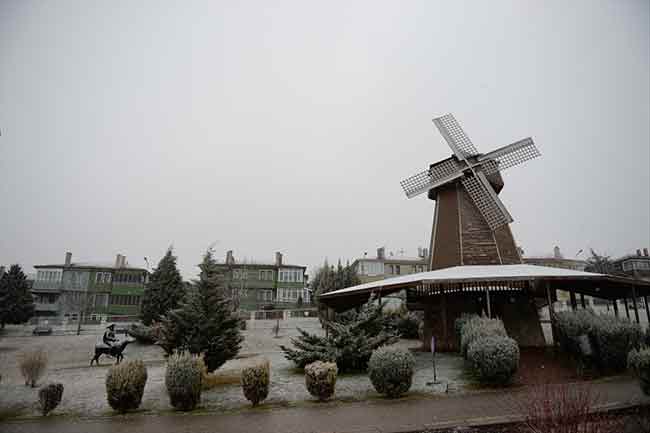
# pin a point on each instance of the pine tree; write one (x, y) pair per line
(350, 340)
(16, 302)
(164, 292)
(206, 323)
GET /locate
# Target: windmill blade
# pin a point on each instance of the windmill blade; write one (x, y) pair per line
(436, 175)
(487, 201)
(455, 136)
(508, 156)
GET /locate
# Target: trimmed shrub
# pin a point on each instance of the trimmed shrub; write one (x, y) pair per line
(125, 385)
(49, 397)
(391, 371)
(494, 358)
(145, 334)
(320, 378)
(184, 380)
(255, 382)
(613, 339)
(478, 328)
(32, 365)
(572, 324)
(639, 362)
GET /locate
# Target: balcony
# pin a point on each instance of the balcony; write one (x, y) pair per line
(47, 286)
(39, 306)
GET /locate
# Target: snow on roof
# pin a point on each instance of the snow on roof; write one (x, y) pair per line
(471, 272)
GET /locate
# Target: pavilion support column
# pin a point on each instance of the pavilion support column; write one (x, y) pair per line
(572, 296)
(487, 300)
(615, 304)
(551, 310)
(627, 309)
(582, 300)
(647, 311)
(636, 306)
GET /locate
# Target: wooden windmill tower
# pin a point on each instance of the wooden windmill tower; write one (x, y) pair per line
(471, 224)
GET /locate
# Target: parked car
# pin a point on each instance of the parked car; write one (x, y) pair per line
(42, 330)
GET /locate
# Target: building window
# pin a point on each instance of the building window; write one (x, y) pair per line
(397, 269)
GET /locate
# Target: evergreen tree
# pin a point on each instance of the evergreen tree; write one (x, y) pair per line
(164, 292)
(16, 302)
(206, 323)
(350, 340)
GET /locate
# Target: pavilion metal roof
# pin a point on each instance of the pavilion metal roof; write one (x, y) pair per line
(487, 273)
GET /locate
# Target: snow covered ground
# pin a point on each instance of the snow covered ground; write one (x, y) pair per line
(85, 394)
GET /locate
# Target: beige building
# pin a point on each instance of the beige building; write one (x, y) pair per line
(383, 266)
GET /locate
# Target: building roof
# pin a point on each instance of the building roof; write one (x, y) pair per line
(93, 265)
(591, 282)
(260, 265)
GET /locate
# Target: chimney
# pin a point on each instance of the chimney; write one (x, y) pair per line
(230, 260)
(118, 261)
(645, 252)
(420, 252)
(123, 261)
(381, 253)
(556, 252)
(425, 253)
(638, 252)
(2, 270)
(278, 259)
(68, 258)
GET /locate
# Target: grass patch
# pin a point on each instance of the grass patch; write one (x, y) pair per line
(13, 411)
(219, 378)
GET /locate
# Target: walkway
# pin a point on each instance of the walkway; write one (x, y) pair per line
(405, 415)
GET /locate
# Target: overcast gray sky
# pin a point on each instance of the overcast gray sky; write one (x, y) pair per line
(287, 126)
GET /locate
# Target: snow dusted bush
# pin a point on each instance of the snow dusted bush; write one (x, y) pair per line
(320, 378)
(494, 358)
(391, 371)
(613, 338)
(125, 385)
(478, 328)
(639, 362)
(49, 397)
(255, 382)
(184, 380)
(572, 324)
(32, 365)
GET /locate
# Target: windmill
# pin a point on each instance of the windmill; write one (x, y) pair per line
(471, 224)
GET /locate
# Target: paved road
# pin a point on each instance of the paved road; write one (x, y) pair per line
(406, 415)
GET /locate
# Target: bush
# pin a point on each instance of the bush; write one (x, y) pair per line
(407, 325)
(32, 365)
(350, 340)
(49, 397)
(255, 382)
(320, 378)
(460, 322)
(478, 328)
(391, 371)
(639, 362)
(125, 385)
(145, 334)
(494, 358)
(572, 324)
(611, 338)
(184, 380)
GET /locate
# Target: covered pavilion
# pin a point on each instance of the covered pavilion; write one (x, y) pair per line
(512, 292)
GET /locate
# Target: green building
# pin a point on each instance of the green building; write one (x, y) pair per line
(260, 286)
(96, 289)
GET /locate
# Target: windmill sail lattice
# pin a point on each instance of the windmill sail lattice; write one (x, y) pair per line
(473, 176)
